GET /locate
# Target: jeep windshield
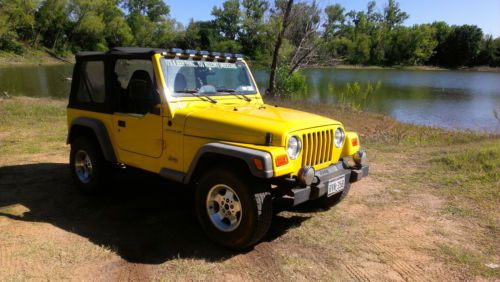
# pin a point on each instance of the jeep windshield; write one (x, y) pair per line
(206, 78)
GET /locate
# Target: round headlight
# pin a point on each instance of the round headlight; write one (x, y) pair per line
(294, 147)
(339, 137)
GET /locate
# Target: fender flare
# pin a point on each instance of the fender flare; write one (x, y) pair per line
(100, 132)
(245, 154)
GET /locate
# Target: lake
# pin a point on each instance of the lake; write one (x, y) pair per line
(449, 99)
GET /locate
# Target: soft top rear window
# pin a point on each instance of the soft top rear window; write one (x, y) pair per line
(91, 87)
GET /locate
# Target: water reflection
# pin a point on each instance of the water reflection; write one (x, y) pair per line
(450, 99)
(36, 80)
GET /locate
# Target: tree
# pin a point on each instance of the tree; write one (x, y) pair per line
(442, 31)
(155, 10)
(18, 17)
(422, 43)
(462, 46)
(149, 22)
(285, 20)
(496, 52)
(52, 23)
(335, 19)
(118, 32)
(227, 19)
(303, 33)
(393, 16)
(254, 33)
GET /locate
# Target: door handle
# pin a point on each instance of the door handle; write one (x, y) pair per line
(121, 123)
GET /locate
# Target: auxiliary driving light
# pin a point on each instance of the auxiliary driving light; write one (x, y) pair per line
(306, 175)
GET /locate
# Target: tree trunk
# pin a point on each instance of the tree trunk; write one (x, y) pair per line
(271, 90)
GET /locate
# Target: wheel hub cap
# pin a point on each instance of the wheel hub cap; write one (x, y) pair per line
(224, 208)
(83, 166)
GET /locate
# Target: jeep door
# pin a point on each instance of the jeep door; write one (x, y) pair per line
(137, 119)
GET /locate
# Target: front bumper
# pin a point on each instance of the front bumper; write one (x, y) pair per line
(322, 177)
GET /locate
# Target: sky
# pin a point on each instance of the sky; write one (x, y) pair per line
(483, 13)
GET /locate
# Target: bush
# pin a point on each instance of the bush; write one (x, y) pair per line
(287, 84)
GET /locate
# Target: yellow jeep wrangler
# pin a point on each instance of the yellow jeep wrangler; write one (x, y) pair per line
(197, 117)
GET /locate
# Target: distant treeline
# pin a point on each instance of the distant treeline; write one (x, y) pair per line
(313, 36)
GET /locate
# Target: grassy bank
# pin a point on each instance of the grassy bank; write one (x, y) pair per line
(42, 57)
(429, 210)
(31, 57)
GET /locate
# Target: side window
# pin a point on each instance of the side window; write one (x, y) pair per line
(91, 87)
(135, 86)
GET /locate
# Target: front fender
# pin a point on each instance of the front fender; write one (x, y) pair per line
(245, 154)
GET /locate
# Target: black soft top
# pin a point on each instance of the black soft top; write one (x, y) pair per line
(133, 52)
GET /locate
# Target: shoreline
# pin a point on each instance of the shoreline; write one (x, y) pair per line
(44, 58)
(38, 58)
(413, 68)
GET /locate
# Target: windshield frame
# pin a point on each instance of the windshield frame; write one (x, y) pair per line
(166, 71)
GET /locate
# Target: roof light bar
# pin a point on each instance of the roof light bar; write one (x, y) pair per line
(176, 51)
(190, 52)
(204, 54)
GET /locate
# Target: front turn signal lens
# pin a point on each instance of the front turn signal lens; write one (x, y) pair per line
(281, 160)
(258, 164)
(354, 142)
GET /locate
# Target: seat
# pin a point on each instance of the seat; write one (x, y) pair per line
(141, 92)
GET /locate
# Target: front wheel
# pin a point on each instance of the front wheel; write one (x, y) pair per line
(234, 210)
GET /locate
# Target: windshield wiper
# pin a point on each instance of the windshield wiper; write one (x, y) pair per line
(232, 92)
(195, 92)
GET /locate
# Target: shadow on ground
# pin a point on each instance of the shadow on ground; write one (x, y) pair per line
(143, 218)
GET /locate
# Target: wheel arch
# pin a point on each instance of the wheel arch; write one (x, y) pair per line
(85, 126)
(231, 155)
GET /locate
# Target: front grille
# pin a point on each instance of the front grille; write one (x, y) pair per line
(317, 147)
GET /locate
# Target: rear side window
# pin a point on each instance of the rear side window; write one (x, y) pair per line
(91, 87)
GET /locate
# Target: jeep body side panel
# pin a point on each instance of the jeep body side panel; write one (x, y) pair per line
(245, 154)
(100, 132)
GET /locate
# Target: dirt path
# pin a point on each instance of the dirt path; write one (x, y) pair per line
(146, 230)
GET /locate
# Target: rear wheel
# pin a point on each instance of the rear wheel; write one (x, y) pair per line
(234, 210)
(88, 167)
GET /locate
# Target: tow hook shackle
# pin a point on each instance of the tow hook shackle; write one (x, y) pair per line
(360, 158)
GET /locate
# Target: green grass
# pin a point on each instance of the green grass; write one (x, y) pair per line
(30, 126)
(468, 261)
(470, 178)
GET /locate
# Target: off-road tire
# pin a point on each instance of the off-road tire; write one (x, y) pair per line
(326, 202)
(100, 167)
(256, 204)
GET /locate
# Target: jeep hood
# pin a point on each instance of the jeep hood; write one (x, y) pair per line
(249, 124)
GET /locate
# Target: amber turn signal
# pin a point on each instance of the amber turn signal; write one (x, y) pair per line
(281, 160)
(354, 142)
(258, 163)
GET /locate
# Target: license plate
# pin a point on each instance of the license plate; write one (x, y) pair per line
(336, 185)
